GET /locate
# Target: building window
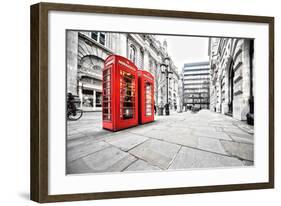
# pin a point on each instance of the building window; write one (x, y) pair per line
(99, 37)
(102, 38)
(94, 35)
(132, 54)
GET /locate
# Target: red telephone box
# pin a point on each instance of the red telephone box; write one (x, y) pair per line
(146, 97)
(120, 96)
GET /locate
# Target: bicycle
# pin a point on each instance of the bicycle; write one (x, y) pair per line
(73, 113)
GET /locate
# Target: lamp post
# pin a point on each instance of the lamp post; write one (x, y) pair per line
(182, 93)
(165, 69)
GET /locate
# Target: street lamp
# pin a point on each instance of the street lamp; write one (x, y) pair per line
(165, 69)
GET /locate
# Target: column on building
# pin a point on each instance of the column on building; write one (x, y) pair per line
(80, 93)
(226, 85)
(218, 96)
(122, 44)
(146, 55)
(180, 94)
(94, 100)
(158, 80)
(246, 79)
(238, 65)
(237, 84)
(71, 61)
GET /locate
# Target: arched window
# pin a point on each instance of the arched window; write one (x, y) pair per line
(132, 53)
(91, 64)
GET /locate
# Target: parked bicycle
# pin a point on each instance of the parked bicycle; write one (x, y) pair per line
(72, 112)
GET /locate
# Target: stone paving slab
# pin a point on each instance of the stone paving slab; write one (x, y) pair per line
(211, 144)
(224, 124)
(235, 130)
(75, 143)
(85, 139)
(245, 127)
(109, 159)
(174, 130)
(141, 165)
(240, 150)
(78, 167)
(202, 128)
(125, 141)
(157, 134)
(71, 132)
(248, 163)
(76, 135)
(210, 134)
(242, 139)
(185, 139)
(193, 158)
(156, 153)
(240, 135)
(86, 126)
(179, 125)
(95, 133)
(85, 149)
(142, 128)
(218, 129)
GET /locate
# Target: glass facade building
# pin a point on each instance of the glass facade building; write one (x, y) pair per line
(196, 81)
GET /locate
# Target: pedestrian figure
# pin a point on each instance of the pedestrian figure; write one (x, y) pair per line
(155, 109)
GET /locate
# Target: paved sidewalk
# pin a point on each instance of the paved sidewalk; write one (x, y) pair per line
(179, 141)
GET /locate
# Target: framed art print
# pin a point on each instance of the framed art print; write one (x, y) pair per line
(132, 102)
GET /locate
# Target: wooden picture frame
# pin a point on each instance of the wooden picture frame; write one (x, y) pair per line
(39, 101)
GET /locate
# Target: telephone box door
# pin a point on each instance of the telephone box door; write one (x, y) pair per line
(146, 97)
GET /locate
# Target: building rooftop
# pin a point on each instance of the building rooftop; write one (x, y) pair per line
(196, 64)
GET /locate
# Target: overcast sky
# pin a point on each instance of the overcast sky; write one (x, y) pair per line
(185, 49)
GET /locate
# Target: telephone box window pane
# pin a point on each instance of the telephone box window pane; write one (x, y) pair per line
(148, 99)
(106, 84)
(127, 95)
(106, 95)
(107, 78)
(107, 104)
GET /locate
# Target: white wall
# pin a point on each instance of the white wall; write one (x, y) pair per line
(14, 102)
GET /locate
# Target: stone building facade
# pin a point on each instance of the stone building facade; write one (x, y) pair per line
(87, 51)
(232, 71)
